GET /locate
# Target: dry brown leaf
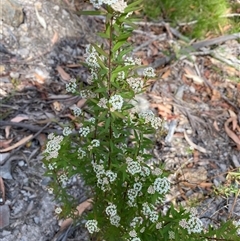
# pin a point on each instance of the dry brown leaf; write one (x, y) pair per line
(57, 106)
(216, 95)
(7, 131)
(81, 103)
(21, 142)
(39, 78)
(166, 74)
(64, 75)
(80, 209)
(230, 133)
(215, 125)
(193, 145)
(55, 38)
(5, 143)
(2, 192)
(19, 118)
(196, 79)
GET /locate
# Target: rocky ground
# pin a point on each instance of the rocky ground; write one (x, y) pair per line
(197, 94)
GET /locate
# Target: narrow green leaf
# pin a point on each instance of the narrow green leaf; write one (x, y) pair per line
(118, 45)
(100, 51)
(135, 3)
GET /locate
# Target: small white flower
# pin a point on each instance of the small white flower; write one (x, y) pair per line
(85, 94)
(119, 6)
(133, 233)
(84, 131)
(136, 84)
(92, 120)
(67, 131)
(91, 226)
(146, 210)
(52, 166)
(121, 75)
(149, 72)
(58, 210)
(116, 102)
(81, 153)
(114, 220)
(161, 185)
(111, 210)
(111, 175)
(136, 221)
(153, 216)
(132, 194)
(157, 171)
(133, 167)
(137, 186)
(71, 86)
(171, 235)
(63, 178)
(95, 143)
(76, 110)
(151, 190)
(159, 225)
(136, 239)
(129, 61)
(50, 190)
(103, 103)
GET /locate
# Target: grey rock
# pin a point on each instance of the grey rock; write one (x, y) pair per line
(12, 13)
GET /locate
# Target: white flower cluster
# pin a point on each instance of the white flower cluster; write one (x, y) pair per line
(157, 171)
(149, 213)
(121, 75)
(149, 117)
(137, 221)
(94, 143)
(53, 146)
(63, 178)
(76, 110)
(58, 210)
(52, 166)
(81, 153)
(131, 61)
(136, 84)
(91, 226)
(133, 167)
(84, 131)
(104, 178)
(103, 103)
(171, 234)
(161, 185)
(87, 94)
(116, 102)
(111, 211)
(117, 5)
(237, 225)
(193, 224)
(71, 86)
(91, 57)
(149, 72)
(67, 131)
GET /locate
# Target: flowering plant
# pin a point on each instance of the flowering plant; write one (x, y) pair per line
(112, 149)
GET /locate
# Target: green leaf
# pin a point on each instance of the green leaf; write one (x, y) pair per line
(118, 45)
(134, 3)
(123, 36)
(103, 35)
(100, 51)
